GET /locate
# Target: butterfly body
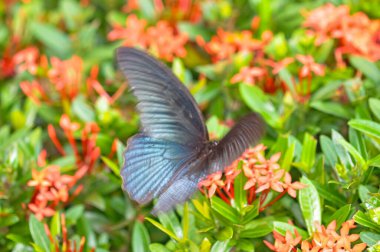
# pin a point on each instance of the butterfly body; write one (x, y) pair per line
(173, 151)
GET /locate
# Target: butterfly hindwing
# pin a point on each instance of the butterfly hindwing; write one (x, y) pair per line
(150, 164)
(167, 109)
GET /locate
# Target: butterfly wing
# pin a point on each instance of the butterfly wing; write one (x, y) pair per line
(246, 132)
(167, 109)
(150, 164)
(172, 127)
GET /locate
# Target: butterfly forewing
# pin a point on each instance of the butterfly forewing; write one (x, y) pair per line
(167, 109)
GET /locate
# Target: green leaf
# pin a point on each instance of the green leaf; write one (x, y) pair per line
(55, 40)
(163, 229)
(185, 221)
(288, 157)
(81, 109)
(374, 105)
(257, 228)
(112, 165)
(224, 234)
(369, 238)
(39, 236)
(328, 150)
(240, 193)
(374, 161)
(357, 156)
(157, 247)
(282, 227)
(251, 211)
(286, 77)
(308, 152)
(368, 68)
(8, 220)
(310, 205)
(366, 221)
(74, 213)
(367, 127)
(224, 209)
(140, 237)
(330, 195)
(340, 215)
(171, 222)
(220, 246)
(256, 100)
(55, 225)
(331, 108)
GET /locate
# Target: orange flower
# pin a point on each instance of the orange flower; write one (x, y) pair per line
(38, 179)
(324, 239)
(212, 182)
(40, 209)
(356, 34)
(162, 40)
(27, 60)
(66, 76)
(249, 75)
(309, 66)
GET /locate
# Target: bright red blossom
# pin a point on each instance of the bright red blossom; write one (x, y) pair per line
(163, 40)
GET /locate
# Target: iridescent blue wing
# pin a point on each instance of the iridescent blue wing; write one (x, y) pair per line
(167, 109)
(246, 132)
(150, 164)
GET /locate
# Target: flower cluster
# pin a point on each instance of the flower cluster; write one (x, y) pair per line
(64, 77)
(50, 186)
(163, 40)
(324, 239)
(63, 243)
(226, 44)
(173, 11)
(356, 34)
(263, 175)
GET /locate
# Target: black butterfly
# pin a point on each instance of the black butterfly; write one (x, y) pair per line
(173, 151)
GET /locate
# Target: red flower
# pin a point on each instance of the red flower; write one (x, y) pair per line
(309, 66)
(249, 75)
(27, 60)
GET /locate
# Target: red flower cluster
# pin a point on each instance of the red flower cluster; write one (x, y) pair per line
(52, 187)
(162, 40)
(225, 44)
(173, 11)
(324, 239)
(263, 175)
(63, 244)
(356, 34)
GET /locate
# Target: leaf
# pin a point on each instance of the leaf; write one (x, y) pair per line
(367, 127)
(331, 108)
(74, 213)
(374, 161)
(282, 227)
(308, 152)
(239, 192)
(185, 221)
(368, 68)
(224, 209)
(140, 237)
(55, 225)
(369, 238)
(330, 195)
(157, 247)
(327, 91)
(328, 150)
(374, 105)
(112, 165)
(163, 229)
(225, 234)
(220, 246)
(171, 222)
(364, 193)
(55, 40)
(357, 156)
(366, 221)
(81, 109)
(251, 211)
(340, 215)
(256, 100)
(257, 228)
(310, 205)
(288, 157)
(286, 77)
(39, 236)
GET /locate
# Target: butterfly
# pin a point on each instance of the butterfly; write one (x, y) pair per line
(173, 152)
